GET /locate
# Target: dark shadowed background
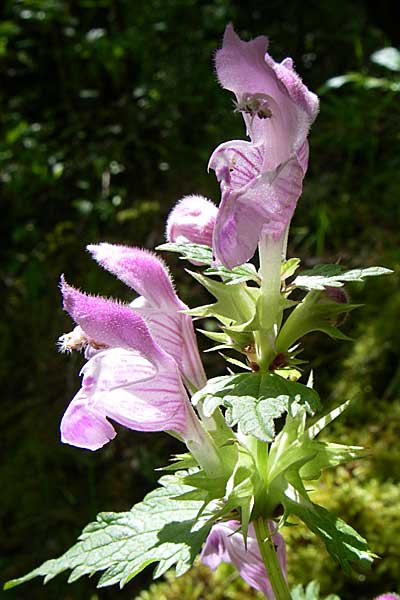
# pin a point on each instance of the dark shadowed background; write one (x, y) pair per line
(109, 110)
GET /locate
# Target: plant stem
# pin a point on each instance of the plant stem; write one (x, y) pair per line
(270, 252)
(202, 446)
(272, 566)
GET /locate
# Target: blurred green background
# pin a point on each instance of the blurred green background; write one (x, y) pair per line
(109, 110)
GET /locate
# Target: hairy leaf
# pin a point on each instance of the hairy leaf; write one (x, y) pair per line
(324, 276)
(246, 272)
(254, 400)
(235, 304)
(158, 529)
(199, 253)
(343, 543)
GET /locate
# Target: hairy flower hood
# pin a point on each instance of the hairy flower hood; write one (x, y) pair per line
(246, 69)
(158, 304)
(261, 180)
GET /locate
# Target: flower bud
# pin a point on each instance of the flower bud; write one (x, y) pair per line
(192, 221)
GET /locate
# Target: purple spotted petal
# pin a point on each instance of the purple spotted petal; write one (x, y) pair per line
(247, 70)
(226, 544)
(192, 221)
(109, 322)
(140, 270)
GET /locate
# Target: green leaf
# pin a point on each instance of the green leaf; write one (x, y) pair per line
(241, 487)
(234, 303)
(334, 276)
(311, 592)
(310, 316)
(295, 448)
(362, 81)
(246, 272)
(343, 543)
(289, 267)
(180, 462)
(201, 254)
(255, 416)
(254, 400)
(158, 529)
(197, 253)
(329, 455)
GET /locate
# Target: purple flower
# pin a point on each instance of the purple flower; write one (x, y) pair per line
(158, 304)
(225, 543)
(192, 221)
(388, 597)
(261, 180)
(133, 381)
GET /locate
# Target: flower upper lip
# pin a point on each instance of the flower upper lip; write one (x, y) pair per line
(261, 179)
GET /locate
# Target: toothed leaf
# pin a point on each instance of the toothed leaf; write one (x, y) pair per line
(158, 529)
(324, 276)
(254, 400)
(343, 543)
(197, 253)
(246, 272)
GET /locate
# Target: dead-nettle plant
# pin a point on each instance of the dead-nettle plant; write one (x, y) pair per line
(243, 476)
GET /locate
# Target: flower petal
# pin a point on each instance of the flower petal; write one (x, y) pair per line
(175, 334)
(141, 270)
(245, 69)
(109, 322)
(266, 204)
(214, 551)
(128, 388)
(84, 426)
(158, 304)
(226, 544)
(192, 221)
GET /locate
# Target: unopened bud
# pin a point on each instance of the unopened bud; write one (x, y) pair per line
(337, 294)
(192, 221)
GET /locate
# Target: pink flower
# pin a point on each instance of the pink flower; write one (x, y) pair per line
(261, 180)
(158, 304)
(226, 544)
(133, 381)
(192, 221)
(388, 597)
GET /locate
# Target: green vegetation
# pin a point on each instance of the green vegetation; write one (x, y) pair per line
(109, 110)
